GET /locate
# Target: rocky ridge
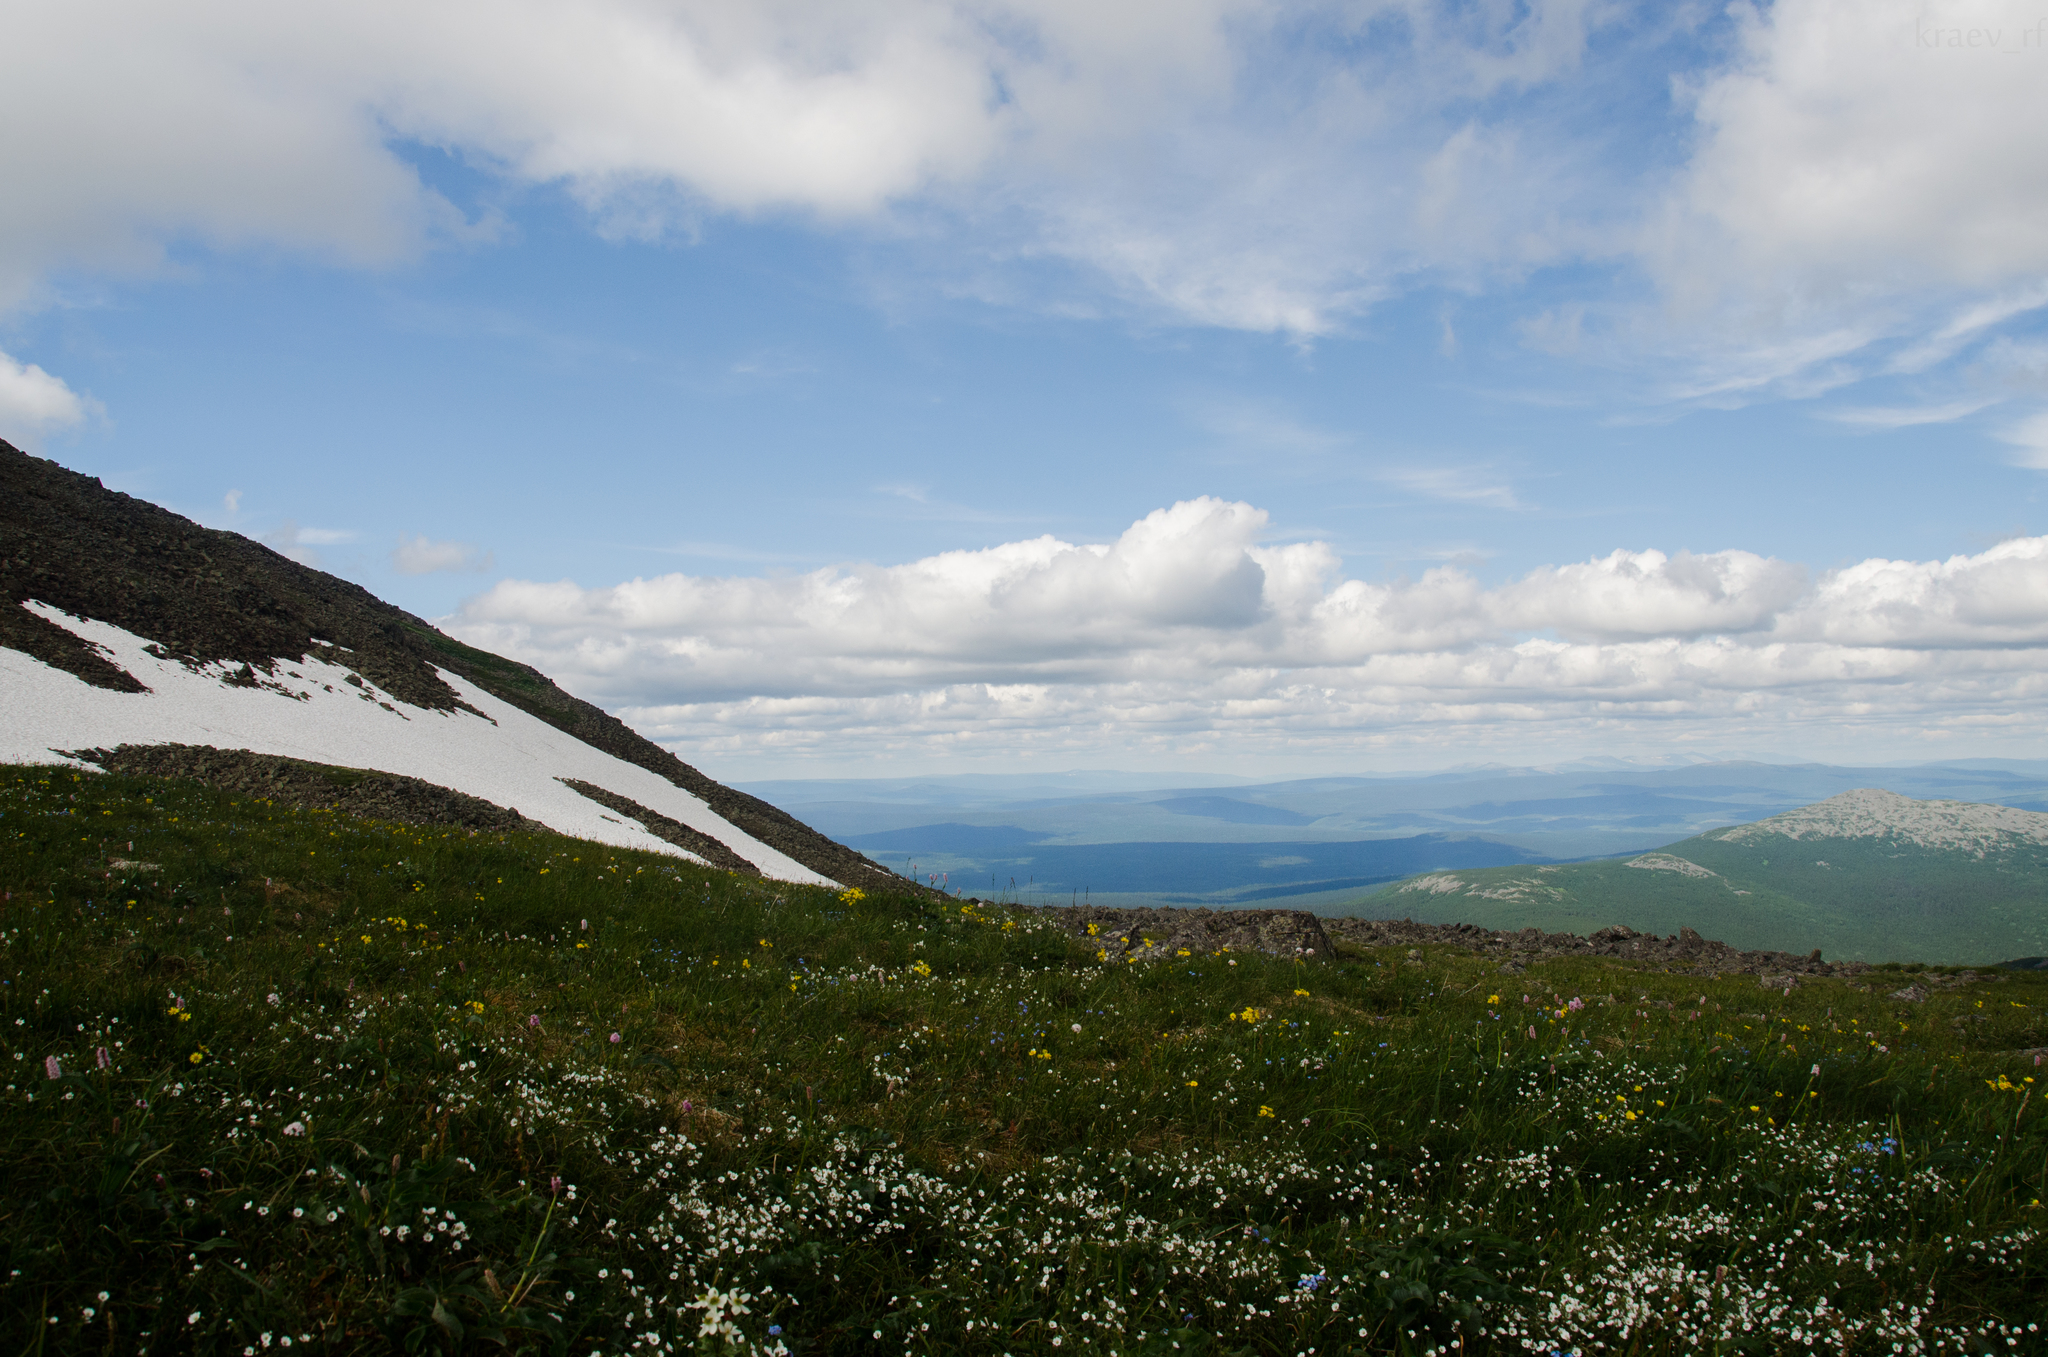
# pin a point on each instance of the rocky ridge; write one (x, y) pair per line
(1156, 934)
(1868, 812)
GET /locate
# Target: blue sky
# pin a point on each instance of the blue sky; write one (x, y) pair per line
(1505, 382)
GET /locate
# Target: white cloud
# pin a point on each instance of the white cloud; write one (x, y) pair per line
(1906, 416)
(1229, 162)
(420, 555)
(300, 544)
(32, 402)
(2030, 436)
(1234, 163)
(1858, 178)
(1187, 629)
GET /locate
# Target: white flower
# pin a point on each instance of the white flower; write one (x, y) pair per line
(297, 1128)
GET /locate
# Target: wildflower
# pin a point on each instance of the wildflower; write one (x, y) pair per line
(297, 1128)
(1493, 998)
(615, 1038)
(1532, 1031)
(1265, 1111)
(272, 1000)
(533, 1020)
(196, 1057)
(1194, 1083)
(52, 1068)
(1077, 1027)
(554, 1186)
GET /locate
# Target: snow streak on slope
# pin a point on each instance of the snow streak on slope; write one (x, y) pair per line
(324, 713)
(1871, 813)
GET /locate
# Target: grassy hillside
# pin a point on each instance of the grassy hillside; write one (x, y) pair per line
(288, 1076)
(1855, 899)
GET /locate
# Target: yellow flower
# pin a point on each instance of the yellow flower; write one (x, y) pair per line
(852, 895)
(922, 967)
(366, 937)
(1183, 952)
(1301, 994)
(1093, 929)
(476, 1006)
(1194, 1083)
(581, 945)
(195, 1057)
(1265, 1111)
(746, 963)
(1493, 998)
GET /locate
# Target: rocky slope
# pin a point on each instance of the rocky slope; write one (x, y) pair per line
(122, 598)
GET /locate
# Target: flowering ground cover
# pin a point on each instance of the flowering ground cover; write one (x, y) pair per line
(284, 1080)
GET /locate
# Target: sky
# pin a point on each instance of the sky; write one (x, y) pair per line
(886, 387)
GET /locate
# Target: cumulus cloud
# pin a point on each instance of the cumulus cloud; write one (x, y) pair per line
(1188, 629)
(32, 402)
(420, 555)
(1819, 211)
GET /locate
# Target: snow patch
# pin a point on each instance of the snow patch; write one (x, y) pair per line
(330, 714)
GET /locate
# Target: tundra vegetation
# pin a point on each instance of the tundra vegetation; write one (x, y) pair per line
(283, 1080)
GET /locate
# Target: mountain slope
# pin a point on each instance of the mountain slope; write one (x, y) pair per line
(1867, 875)
(127, 624)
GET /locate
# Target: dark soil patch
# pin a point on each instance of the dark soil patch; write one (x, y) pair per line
(661, 827)
(361, 792)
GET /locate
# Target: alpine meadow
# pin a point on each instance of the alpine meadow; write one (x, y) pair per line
(287, 1079)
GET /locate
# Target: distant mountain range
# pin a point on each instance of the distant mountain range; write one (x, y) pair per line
(135, 639)
(1867, 875)
(1319, 843)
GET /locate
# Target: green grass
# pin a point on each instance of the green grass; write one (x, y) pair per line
(371, 1088)
(1865, 899)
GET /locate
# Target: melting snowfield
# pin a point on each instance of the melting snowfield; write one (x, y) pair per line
(322, 712)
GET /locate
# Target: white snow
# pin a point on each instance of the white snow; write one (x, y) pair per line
(311, 711)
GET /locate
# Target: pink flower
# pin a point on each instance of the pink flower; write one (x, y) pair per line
(297, 1128)
(533, 1021)
(554, 1187)
(103, 1058)
(1532, 1032)
(615, 1038)
(1576, 1004)
(52, 1068)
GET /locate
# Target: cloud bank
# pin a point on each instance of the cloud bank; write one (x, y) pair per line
(1189, 633)
(1234, 163)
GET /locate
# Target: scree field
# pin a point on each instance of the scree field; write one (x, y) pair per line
(284, 1081)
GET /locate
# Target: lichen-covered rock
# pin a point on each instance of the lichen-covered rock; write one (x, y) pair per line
(1155, 934)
